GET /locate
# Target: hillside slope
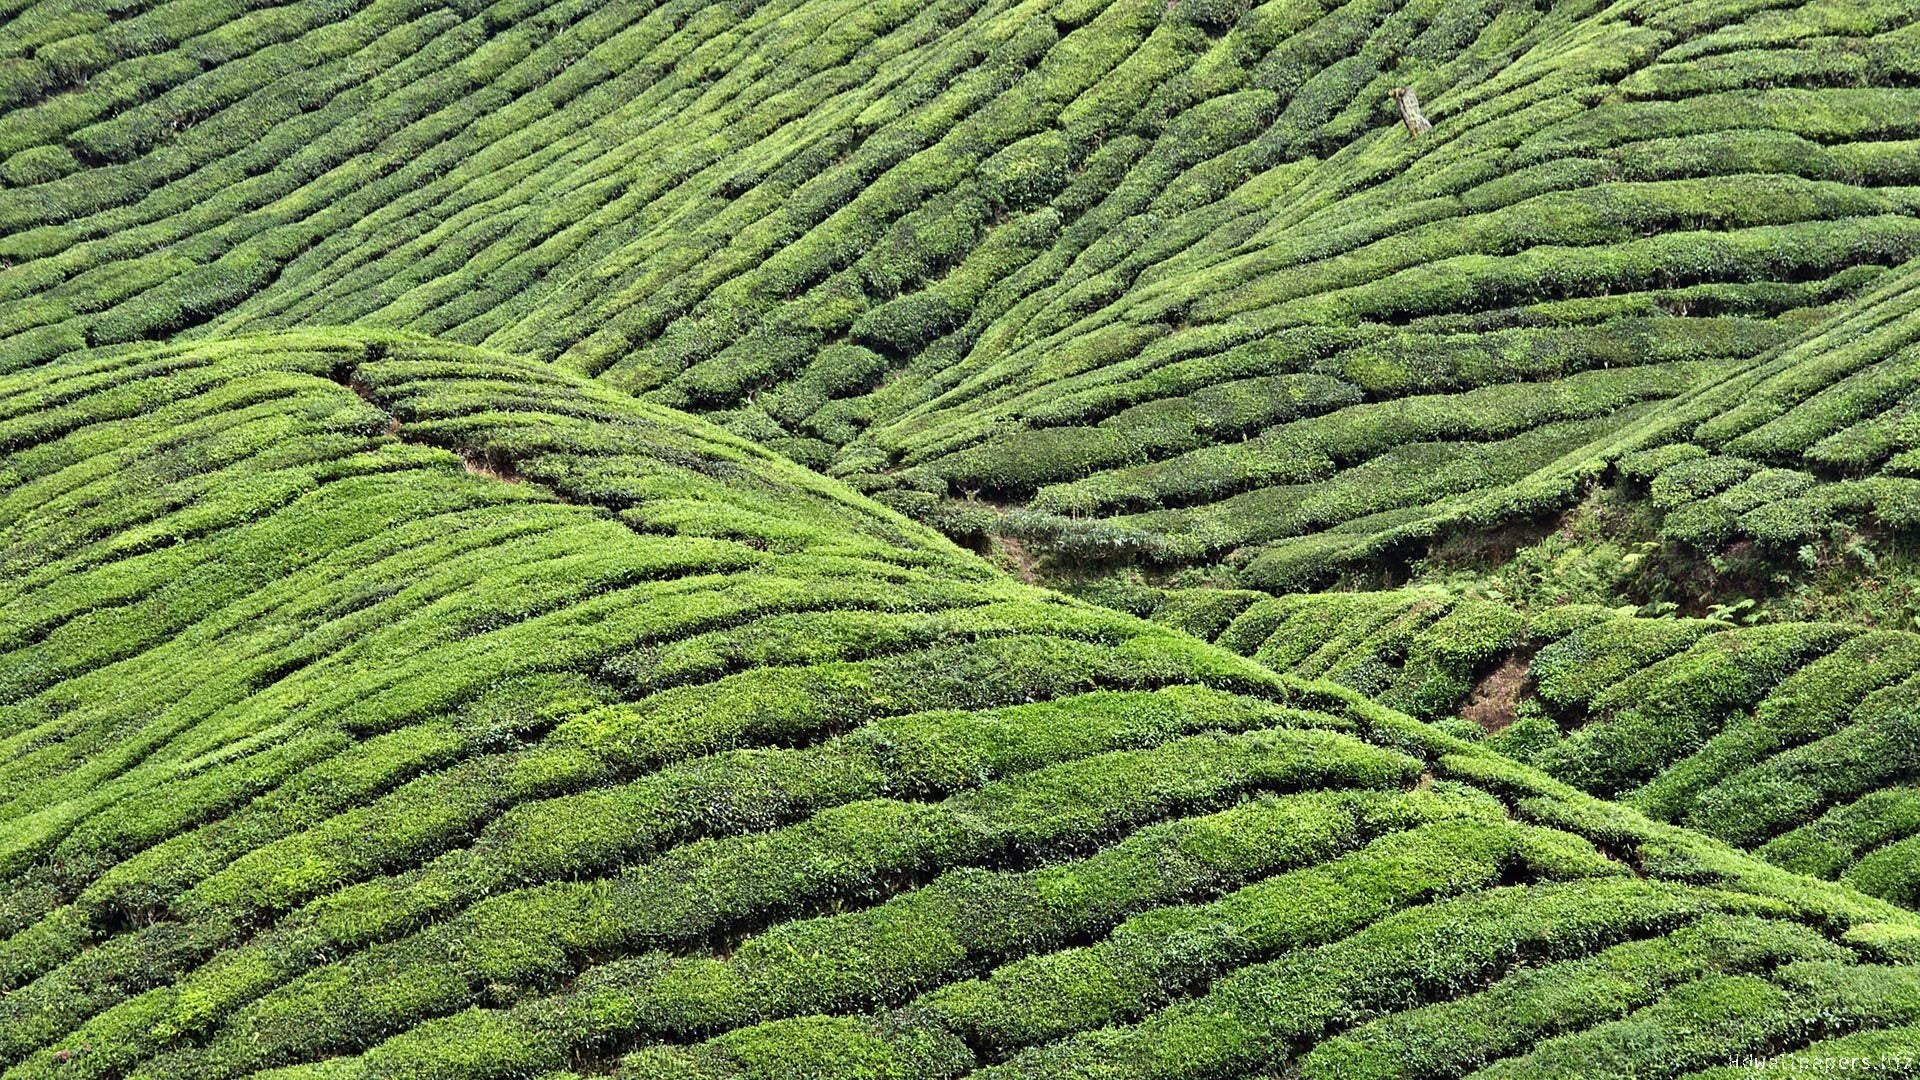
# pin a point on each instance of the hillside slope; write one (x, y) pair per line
(1795, 740)
(1781, 487)
(399, 679)
(382, 707)
(1169, 274)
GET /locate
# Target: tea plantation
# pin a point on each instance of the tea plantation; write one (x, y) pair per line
(1797, 740)
(386, 707)
(1165, 277)
(1001, 538)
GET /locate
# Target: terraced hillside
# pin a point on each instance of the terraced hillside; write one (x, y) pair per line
(493, 500)
(1791, 738)
(1795, 740)
(1167, 275)
(384, 707)
(1819, 434)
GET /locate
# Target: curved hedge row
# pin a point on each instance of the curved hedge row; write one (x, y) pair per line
(375, 706)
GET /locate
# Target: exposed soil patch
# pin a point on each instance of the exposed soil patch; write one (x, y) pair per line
(1495, 702)
(1015, 557)
(480, 464)
(477, 462)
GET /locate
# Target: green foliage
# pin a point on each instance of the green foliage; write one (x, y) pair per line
(1109, 259)
(423, 711)
(1258, 1014)
(430, 697)
(1532, 1004)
